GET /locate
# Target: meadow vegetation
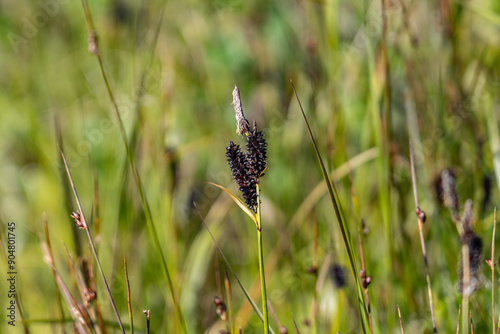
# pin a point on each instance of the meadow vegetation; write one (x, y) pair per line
(136, 96)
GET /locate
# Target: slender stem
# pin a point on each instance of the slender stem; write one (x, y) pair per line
(54, 274)
(250, 300)
(367, 295)
(129, 303)
(492, 265)
(400, 321)
(265, 312)
(229, 302)
(420, 215)
(91, 242)
(465, 287)
(471, 324)
(94, 49)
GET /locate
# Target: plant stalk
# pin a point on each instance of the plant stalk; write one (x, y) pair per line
(265, 312)
(492, 265)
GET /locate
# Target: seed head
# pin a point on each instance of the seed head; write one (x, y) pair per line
(475, 247)
(220, 308)
(89, 295)
(246, 181)
(247, 167)
(78, 220)
(450, 197)
(467, 217)
(470, 238)
(256, 152)
(337, 274)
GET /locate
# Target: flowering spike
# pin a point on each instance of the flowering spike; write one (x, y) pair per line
(247, 168)
(256, 152)
(246, 182)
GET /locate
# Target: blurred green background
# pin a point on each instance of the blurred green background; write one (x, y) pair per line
(371, 75)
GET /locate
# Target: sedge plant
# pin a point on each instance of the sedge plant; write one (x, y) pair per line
(247, 168)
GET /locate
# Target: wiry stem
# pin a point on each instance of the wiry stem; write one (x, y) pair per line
(492, 263)
(421, 218)
(52, 267)
(94, 49)
(91, 242)
(229, 302)
(465, 287)
(367, 295)
(265, 312)
(400, 321)
(129, 303)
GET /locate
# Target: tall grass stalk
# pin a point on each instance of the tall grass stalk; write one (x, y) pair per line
(346, 235)
(53, 270)
(229, 299)
(400, 321)
(465, 288)
(367, 295)
(491, 262)
(129, 302)
(91, 242)
(265, 312)
(94, 49)
(247, 295)
(421, 220)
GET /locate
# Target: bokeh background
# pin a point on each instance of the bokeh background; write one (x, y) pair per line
(371, 75)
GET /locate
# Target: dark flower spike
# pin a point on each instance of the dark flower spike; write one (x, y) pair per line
(247, 167)
(450, 197)
(256, 152)
(337, 274)
(239, 168)
(471, 239)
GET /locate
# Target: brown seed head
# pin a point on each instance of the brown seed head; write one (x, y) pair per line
(89, 295)
(78, 220)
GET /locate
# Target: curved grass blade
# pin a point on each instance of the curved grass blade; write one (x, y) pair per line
(238, 201)
(342, 223)
(91, 242)
(254, 305)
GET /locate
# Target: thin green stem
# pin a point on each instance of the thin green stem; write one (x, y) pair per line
(94, 49)
(91, 242)
(465, 288)
(265, 312)
(492, 266)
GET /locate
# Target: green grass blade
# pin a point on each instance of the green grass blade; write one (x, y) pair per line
(94, 49)
(250, 300)
(346, 236)
(238, 201)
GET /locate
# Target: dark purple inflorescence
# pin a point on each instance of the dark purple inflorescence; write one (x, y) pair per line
(246, 182)
(256, 152)
(248, 168)
(337, 274)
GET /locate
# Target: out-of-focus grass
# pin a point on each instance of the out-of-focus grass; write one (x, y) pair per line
(444, 79)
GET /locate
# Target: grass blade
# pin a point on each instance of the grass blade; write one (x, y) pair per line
(129, 303)
(50, 258)
(238, 201)
(346, 236)
(254, 305)
(91, 242)
(93, 47)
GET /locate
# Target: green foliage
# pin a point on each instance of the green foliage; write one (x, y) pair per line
(430, 76)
